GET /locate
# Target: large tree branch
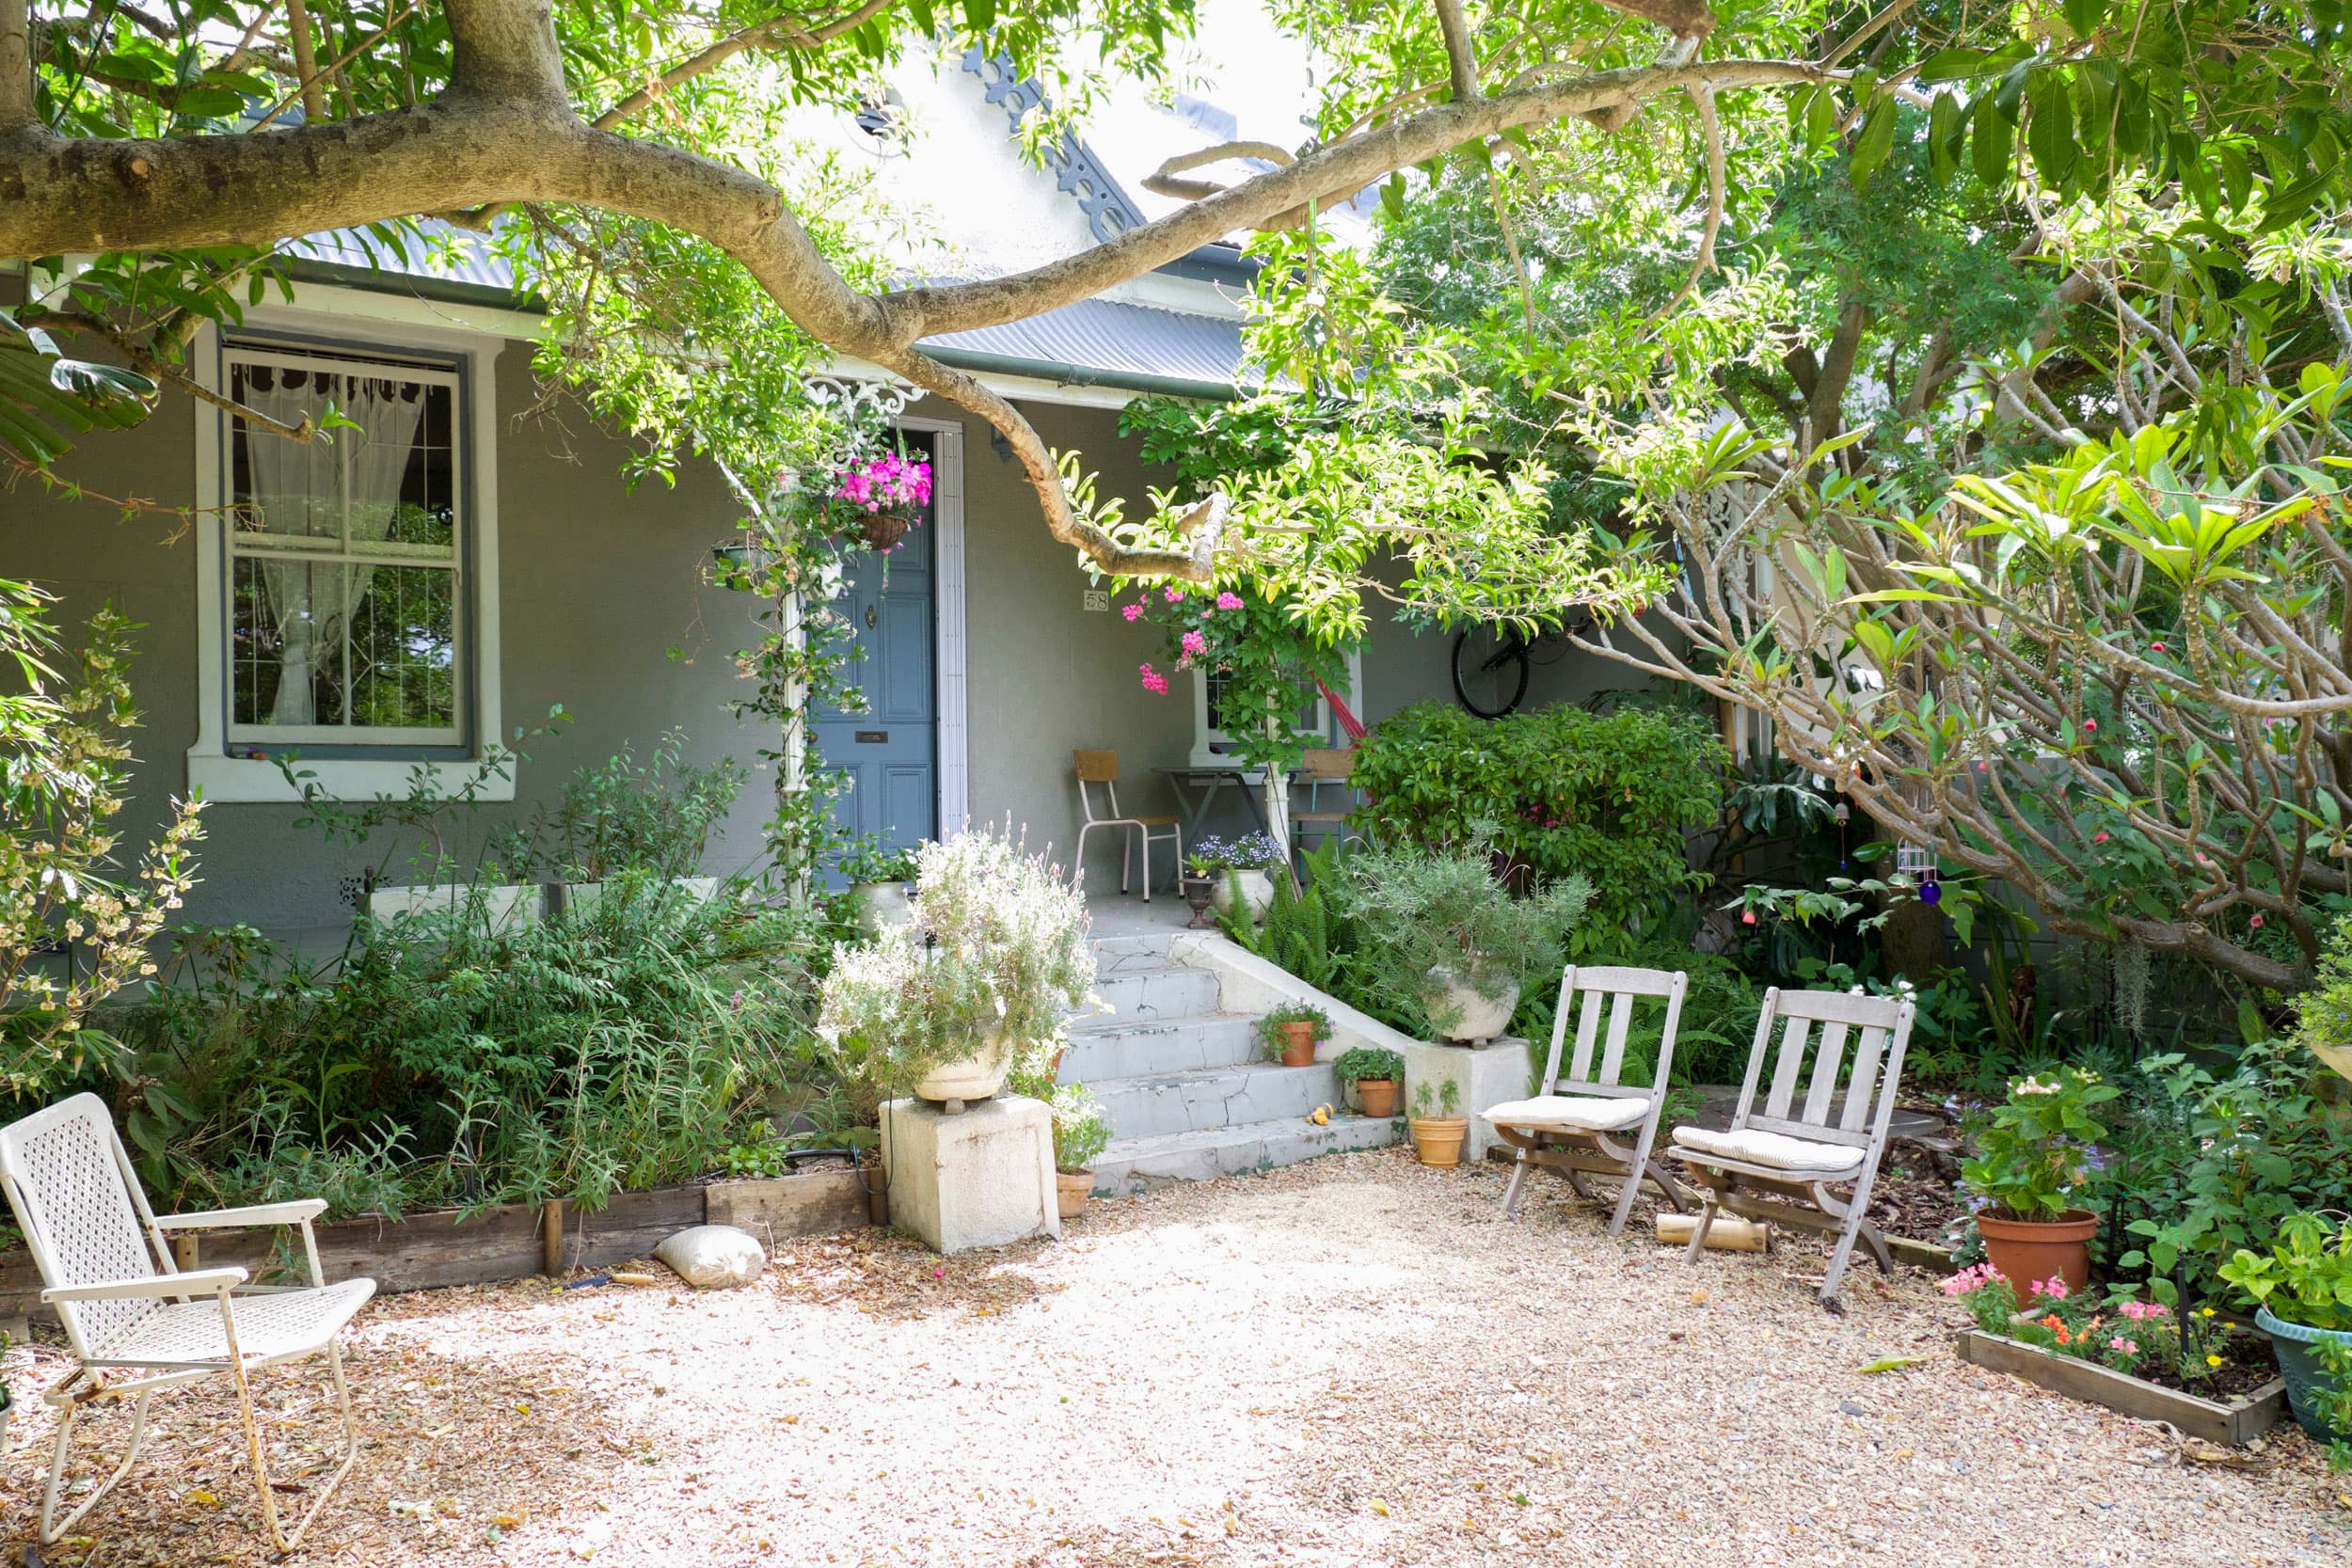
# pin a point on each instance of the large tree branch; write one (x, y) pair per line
(1461, 61)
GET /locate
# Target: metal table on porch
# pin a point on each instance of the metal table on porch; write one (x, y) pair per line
(1197, 789)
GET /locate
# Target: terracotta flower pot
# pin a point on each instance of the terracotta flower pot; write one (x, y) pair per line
(2030, 1250)
(1438, 1139)
(1071, 1188)
(1299, 1043)
(1377, 1096)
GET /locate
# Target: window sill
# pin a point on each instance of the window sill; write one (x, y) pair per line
(258, 778)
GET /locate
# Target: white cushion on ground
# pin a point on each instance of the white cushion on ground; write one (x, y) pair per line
(1777, 1149)
(1568, 1113)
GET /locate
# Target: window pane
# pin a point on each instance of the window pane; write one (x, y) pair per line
(404, 648)
(288, 656)
(285, 488)
(428, 490)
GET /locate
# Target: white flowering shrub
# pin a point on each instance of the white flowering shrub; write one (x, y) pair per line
(997, 947)
(74, 928)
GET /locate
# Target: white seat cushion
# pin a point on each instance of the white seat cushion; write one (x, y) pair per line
(270, 1326)
(1776, 1149)
(1569, 1112)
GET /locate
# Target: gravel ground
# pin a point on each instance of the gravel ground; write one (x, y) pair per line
(1346, 1362)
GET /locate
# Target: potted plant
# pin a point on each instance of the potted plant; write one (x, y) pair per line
(1238, 873)
(2032, 1166)
(1437, 926)
(1375, 1072)
(1292, 1031)
(1199, 886)
(2304, 1292)
(994, 956)
(878, 875)
(882, 497)
(1436, 1124)
(1080, 1132)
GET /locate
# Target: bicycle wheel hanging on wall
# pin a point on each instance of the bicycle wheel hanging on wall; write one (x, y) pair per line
(1490, 668)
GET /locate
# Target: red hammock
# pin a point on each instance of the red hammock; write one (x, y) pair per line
(1348, 721)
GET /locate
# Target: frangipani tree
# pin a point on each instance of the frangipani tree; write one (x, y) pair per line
(183, 148)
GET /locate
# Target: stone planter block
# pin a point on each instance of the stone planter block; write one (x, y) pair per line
(1487, 1074)
(981, 1178)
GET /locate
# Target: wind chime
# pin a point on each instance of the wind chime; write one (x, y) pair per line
(1917, 862)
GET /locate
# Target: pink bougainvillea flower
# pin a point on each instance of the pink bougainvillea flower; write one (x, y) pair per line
(1194, 644)
(1133, 611)
(1154, 682)
(1229, 601)
(1175, 596)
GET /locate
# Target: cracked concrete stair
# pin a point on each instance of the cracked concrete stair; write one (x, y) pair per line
(1188, 1091)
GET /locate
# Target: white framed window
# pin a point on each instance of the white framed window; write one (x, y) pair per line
(347, 621)
(347, 587)
(1211, 742)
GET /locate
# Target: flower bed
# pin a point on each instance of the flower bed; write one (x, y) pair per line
(2209, 1376)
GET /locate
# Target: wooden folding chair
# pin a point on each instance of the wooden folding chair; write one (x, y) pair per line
(128, 1309)
(1773, 1165)
(1576, 1126)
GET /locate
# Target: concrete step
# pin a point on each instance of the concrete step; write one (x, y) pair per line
(1114, 955)
(1140, 1165)
(1121, 1048)
(1138, 994)
(1200, 1098)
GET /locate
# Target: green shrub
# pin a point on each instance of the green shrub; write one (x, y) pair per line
(1416, 909)
(621, 815)
(1369, 1061)
(626, 1046)
(1609, 798)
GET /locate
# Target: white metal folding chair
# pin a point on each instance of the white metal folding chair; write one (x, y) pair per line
(1102, 767)
(1577, 1125)
(1779, 1163)
(128, 1308)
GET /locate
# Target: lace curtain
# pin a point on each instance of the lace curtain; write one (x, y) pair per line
(295, 492)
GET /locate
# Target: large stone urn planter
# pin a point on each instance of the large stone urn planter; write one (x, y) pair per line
(881, 906)
(1257, 892)
(967, 1078)
(1473, 1014)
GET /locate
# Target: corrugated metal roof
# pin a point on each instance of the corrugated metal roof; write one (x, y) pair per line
(1095, 341)
(1107, 341)
(440, 253)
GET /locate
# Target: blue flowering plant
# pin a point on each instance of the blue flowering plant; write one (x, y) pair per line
(2038, 1153)
(1213, 857)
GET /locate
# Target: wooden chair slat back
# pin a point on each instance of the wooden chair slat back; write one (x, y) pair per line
(1096, 767)
(1330, 764)
(1829, 1055)
(1879, 1029)
(1614, 990)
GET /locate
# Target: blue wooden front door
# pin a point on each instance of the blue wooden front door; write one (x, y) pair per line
(887, 755)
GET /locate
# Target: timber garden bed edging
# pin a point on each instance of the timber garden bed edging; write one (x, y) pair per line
(2232, 1422)
(449, 1247)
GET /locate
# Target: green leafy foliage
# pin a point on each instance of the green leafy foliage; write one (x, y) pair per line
(1417, 908)
(1369, 1061)
(1275, 1038)
(77, 922)
(2306, 1278)
(2030, 1161)
(1081, 1130)
(654, 816)
(1612, 798)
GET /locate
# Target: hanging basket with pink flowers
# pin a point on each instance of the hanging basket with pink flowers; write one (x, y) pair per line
(881, 497)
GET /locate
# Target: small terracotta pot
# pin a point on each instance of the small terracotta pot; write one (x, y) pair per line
(1299, 1043)
(1438, 1139)
(2030, 1250)
(1072, 1189)
(1377, 1096)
